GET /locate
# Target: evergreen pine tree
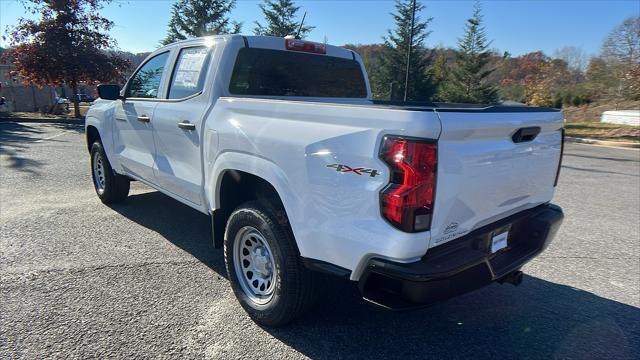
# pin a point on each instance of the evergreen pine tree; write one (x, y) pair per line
(388, 77)
(440, 72)
(466, 82)
(194, 18)
(280, 16)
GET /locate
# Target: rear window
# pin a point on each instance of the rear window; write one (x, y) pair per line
(286, 73)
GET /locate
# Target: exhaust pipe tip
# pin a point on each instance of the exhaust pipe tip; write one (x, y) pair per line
(514, 278)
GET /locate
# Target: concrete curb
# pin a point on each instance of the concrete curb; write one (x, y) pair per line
(630, 145)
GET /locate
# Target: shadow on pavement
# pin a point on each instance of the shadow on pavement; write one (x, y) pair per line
(538, 319)
(13, 141)
(597, 171)
(183, 226)
(602, 158)
(15, 137)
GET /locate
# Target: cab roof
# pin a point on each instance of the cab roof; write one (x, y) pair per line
(265, 42)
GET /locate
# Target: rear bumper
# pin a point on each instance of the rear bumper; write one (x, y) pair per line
(461, 265)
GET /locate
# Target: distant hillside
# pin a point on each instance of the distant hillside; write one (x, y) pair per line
(371, 52)
(535, 79)
(135, 58)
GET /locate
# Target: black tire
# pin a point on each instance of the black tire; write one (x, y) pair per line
(295, 287)
(112, 188)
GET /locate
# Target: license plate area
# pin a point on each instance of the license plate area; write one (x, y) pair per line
(499, 239)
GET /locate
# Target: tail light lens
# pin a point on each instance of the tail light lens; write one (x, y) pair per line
(407, 202)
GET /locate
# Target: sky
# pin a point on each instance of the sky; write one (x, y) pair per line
(515, 26)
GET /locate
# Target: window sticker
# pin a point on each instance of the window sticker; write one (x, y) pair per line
(189, 67)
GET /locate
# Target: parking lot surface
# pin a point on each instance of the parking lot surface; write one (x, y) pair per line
(141, 279)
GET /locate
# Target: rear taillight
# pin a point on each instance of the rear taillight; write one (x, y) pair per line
(407, 202)
(305, 46)
(555, 182)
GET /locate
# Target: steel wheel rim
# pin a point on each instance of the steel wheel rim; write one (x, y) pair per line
(99, 179)
(254, 265)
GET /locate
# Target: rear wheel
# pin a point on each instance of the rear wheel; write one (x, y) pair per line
(254, 265)
(264, 268)
(109, 186)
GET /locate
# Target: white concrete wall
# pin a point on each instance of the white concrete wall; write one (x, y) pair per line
(627, 117)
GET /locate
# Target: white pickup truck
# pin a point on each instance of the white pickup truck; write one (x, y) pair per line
(279, 141)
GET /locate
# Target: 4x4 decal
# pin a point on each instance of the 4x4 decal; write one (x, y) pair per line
(356, 170)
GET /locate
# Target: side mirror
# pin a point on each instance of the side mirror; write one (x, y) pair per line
(109, 91)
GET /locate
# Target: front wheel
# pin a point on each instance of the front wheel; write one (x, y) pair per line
(264, 268)
(109, 186)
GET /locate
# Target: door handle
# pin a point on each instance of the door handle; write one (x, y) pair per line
(525, 134)
(144, 118)
(185, 125)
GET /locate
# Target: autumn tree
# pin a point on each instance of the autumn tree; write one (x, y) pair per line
(545, 86)
(601, 82)
(623, 43)
(370, 54)
(575, 57)
(537, 79)
(280, 16)
(467, 82)
(631, 80)
(514, 72)
(388, 76)
(195, 18)
(66, 45)
(621, 51)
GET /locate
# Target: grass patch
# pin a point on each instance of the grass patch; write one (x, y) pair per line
(603, 131)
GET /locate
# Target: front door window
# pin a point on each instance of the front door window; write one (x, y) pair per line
(146, 82)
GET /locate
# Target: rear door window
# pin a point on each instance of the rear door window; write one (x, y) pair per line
(269, 72)
(189, 72)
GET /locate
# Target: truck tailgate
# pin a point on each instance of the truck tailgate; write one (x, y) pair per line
(485, 175)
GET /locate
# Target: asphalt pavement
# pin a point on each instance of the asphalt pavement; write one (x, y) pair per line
(79, 279)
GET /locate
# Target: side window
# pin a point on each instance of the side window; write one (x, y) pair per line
(145, 83)
(189, 72)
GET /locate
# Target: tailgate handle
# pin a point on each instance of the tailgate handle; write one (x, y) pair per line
(525, 134)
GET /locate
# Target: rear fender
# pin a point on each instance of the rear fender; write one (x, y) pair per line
(253, 165)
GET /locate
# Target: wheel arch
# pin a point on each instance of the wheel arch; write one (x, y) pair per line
(239, 177)
(92, 135)
(99, 128)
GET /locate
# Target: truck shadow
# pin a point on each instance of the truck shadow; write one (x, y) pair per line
(539, 319)
(183, 226)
